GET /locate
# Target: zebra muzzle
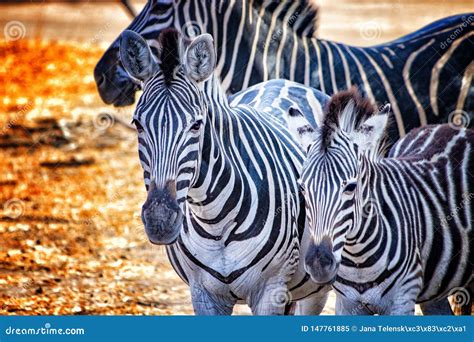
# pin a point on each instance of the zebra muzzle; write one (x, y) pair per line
(162, 216)
(320, 262)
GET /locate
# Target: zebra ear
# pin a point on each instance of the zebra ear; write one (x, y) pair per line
(370, 134)
(300, 128)
(136, 56)
(200, 58)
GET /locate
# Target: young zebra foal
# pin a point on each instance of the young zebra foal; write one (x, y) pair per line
(221, 180)
(388, 232)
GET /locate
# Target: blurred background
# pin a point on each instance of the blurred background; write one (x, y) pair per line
(71, 189)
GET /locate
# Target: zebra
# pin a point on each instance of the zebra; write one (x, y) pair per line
(387, 232)
(426, 76)
(221, 180)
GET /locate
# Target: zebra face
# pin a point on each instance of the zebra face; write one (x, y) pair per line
(330, 182)
(334, 181)
(171, 123)
(113, 83)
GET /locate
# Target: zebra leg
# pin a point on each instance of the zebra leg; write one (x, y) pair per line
(312, 305)
(271, 300)
(440, 307)
(346, 307)
(402, 307)
(208, 304)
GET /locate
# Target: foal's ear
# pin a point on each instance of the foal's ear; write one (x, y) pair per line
(200, 58)
(303, 132)
(136, 56)
(369, 134)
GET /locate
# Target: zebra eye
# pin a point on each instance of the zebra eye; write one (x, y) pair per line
(138, 125)
(349, 187)
(196, 125)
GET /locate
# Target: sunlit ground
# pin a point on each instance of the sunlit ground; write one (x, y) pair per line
(71, 190)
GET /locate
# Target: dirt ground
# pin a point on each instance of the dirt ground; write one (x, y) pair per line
(71, 189)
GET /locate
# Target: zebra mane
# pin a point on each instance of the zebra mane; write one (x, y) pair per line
(302, 19)
(348, 111)
(168, 54)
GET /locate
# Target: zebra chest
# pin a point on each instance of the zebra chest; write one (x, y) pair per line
(233, 260)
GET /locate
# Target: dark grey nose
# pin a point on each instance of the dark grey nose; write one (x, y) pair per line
(162, 215)
(320, 262)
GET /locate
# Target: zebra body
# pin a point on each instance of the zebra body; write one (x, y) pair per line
(221, 180)
(388, 232)
(426, 76)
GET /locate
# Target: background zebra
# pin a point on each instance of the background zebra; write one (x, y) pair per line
(221, 180)
(388, 232)
(425, 76)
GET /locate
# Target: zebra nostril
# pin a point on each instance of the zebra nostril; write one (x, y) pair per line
(100, 79)
(327, 261)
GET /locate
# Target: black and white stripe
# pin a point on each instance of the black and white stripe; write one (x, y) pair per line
(231, 170)
(426, 76)
(390, 231)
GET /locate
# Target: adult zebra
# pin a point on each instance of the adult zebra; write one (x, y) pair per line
(391, 231)
(426, 75)
(221, 180)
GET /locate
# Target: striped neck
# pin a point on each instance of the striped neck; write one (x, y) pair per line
(217, 176)
(389, 194)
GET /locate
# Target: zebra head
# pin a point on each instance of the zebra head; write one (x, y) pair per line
(171, 120)
(113, 83)
(333, 179)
